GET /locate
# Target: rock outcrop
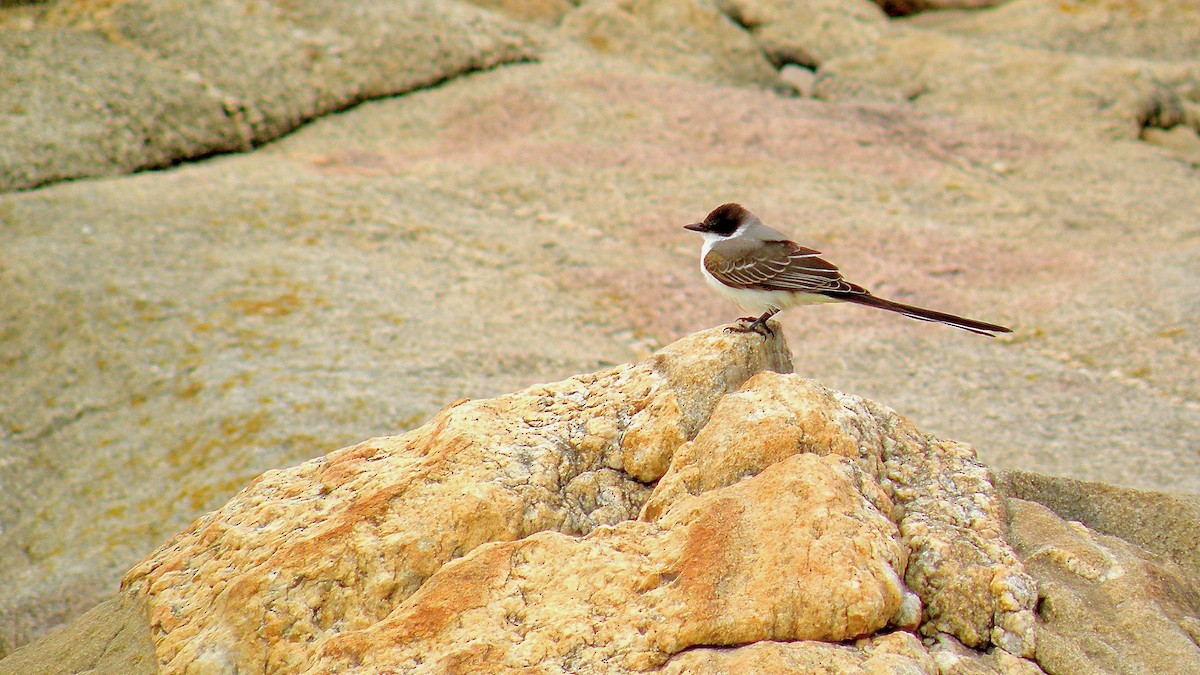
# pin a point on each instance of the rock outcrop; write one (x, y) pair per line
(1052, 92)
(811, 32)
(702, 511)
(1106, 605)
(689, 37)
(607, 523)
(97, 88)
(1118, 573)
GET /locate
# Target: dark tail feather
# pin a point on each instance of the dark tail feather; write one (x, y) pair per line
(922, 314)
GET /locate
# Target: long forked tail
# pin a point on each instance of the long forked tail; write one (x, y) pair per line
(922, 314)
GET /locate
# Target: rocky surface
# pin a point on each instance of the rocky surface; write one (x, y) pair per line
(566, 457)
(703, 497)
(167, 336)
(112, 637)
(808, 33)
(95, 89)
(945, 508)
(702, 511)
(687, 37)
(1051, 91)
(1106, 605)
(1149, 30)
(1160, 523)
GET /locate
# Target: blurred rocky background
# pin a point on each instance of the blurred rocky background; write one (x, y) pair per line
(238, 235)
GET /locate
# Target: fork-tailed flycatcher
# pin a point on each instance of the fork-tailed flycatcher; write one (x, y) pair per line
(761, 270)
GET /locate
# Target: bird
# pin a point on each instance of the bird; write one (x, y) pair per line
(760, 270)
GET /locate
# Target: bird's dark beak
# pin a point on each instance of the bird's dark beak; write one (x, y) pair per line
(696, 227)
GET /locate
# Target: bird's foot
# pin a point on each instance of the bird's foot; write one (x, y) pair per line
(751, 324)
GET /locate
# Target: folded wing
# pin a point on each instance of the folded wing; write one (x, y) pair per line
(779, 266)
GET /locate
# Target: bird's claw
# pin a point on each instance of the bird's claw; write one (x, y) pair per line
(750, 325)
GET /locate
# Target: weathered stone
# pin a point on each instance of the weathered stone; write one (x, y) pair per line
(1161, 29)
(952, 658)
(809, 32)
(792, 554)
(75, 105)
(1180, 140)
(1105, 605)
(967, 577)
(774, 523)
(548, 12)
(113, 637)
(896, 653)
(337, 543)
(802, 79)
(1044, 91)
(1163, 523)
(96, 89)
(792, 525)
(686, 37)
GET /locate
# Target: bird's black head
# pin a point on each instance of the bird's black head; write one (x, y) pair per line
(724, 220)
